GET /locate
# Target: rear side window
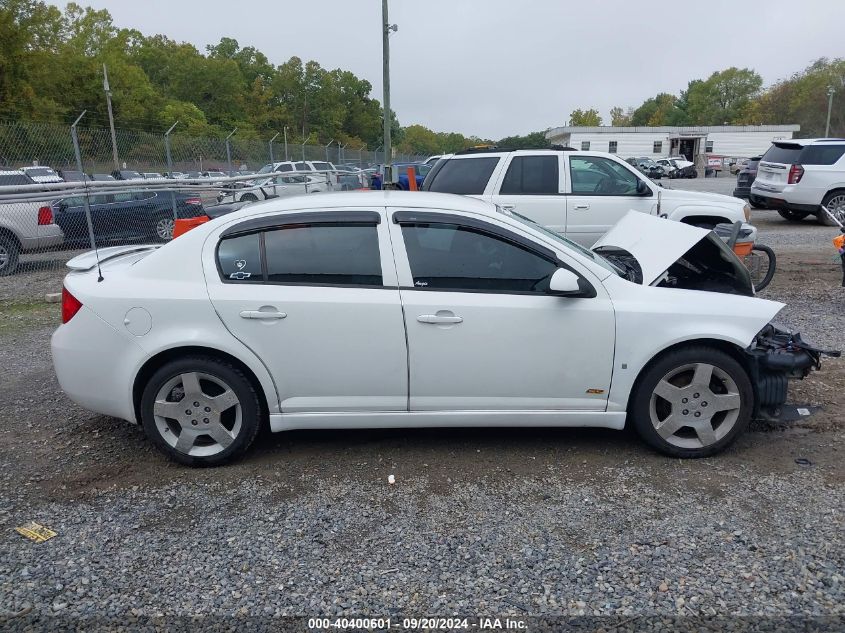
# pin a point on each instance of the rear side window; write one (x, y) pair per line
(239, 258)
(466, 176)
(324, 254)
(532, 175)
(783, 153)
(822, 154)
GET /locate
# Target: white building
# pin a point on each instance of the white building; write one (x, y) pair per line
(726, 141)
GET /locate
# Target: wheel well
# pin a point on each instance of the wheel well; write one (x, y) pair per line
(707, 220)
(834, 190)
(153, 364)
(9, 233)
(732, 350)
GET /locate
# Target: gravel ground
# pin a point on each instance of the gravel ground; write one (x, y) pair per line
(505, 522)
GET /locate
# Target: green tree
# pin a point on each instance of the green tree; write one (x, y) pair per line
(724, 97)
(620, 117)
(585, 118)
(529, 141)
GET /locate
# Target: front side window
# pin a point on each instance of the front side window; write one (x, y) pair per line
(532, 175)
(332, 254)
(597, 176)
(465, 176)
(454, 257)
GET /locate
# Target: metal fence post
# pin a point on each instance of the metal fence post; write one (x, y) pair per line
(327, 150)
(229, 152)
(170, 169)
(75, 138)
(272, 159)
(286, 143)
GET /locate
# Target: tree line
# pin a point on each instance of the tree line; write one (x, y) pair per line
(735, 96)
(51, 68)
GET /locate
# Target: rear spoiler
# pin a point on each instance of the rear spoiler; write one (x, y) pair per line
(89, 260)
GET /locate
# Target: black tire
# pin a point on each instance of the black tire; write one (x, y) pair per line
(838, 209)
(769, 262)
(639, 408)
(251, 417)
(249, 197)
(792, 216)
(10, 252)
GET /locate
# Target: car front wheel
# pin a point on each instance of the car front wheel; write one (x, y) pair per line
(792, 216)
(692, 402)
(200, 411)
(9, 255)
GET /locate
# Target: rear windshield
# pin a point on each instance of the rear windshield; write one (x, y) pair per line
(790, 153)
(322, 166)
(14, 179)
(467, 176)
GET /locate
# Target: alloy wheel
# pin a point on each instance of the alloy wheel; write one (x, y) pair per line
(836, 206)
(197, 414)
(695, 405)
(4, 257)
(164, 228)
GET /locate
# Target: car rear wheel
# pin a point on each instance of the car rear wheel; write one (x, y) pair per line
(692, 402)
(200, 411)
(792, 216)
(835, 203)
(9, 255)
(249, 197)
(163, 228)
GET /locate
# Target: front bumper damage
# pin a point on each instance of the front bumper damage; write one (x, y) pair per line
(775, 356)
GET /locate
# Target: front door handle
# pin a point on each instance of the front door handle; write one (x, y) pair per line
(261, 314)
(439, 319)
(582, 207)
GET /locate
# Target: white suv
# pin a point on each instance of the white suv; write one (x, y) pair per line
(798, 176)
(578, 194)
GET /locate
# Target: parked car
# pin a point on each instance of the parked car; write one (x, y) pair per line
(69, 175)
(738, 165)
(41, 174)
(598, 189)
(175, 175)
(678, 168)
(745, 177)
(24, 226)
(389, 301)
(798, 176)
(647, 166)
(124, 216)
(101, 177)
(420, 172)
(126, 174)
(292, 185)
(153, 175)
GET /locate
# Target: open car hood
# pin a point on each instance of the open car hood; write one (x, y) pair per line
(660, 252)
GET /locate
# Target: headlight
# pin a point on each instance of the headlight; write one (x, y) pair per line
(747, 211)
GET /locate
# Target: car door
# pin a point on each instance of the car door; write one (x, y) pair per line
(532, 185)
(483, 332)
(600, 191)
(314, 295)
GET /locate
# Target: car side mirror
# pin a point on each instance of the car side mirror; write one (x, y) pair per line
(642, 188)
(565, 283)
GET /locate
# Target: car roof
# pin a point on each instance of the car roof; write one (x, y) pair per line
(807, 141)
(366, 199)
(12, 172)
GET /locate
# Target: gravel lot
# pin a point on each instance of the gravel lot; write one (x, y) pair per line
(479, 522)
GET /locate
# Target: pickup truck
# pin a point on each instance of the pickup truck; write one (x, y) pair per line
(24, 226)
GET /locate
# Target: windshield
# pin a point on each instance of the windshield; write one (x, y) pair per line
(560, 239)
(40, 171)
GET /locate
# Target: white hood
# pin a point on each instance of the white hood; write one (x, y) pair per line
(656, 243)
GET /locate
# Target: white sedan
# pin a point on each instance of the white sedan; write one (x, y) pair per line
(277, 186)
(400, 309)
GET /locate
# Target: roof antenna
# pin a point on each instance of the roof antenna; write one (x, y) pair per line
(87, 192)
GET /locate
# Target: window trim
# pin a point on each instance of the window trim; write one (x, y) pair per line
(410, 218)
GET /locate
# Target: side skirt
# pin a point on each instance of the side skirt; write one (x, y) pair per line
(427, 419)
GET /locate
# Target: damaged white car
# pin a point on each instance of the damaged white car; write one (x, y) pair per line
(397, 309)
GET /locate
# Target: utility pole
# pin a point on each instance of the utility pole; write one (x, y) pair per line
(830, 91)
(111, 117)
(386, 28)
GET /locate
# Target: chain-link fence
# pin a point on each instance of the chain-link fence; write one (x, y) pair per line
(62, 191)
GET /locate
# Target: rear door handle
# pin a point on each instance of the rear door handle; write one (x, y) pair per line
(260, 314)
(433, 318)
(581, 207)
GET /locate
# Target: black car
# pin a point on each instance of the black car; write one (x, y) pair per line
(102, 177)
(126, 174)
(69, 175)
(124, 216)
(745, 178)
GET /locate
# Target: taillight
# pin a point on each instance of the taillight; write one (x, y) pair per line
(45, 216)
(194, 201)
(795, 173)
(70, 305)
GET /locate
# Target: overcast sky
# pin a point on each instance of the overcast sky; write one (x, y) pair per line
(499, 67)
